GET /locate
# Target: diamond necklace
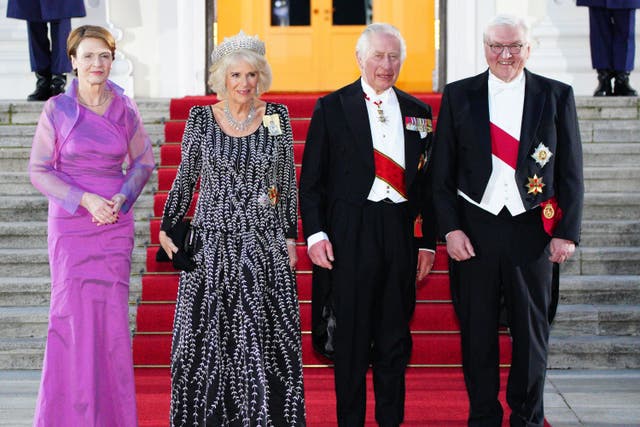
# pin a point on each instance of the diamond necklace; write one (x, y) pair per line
(239, 125)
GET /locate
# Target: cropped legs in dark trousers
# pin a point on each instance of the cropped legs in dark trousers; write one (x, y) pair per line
(374, 295)
(49, 56)
(511, 264)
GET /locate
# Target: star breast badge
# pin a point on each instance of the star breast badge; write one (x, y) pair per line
(542, 154)
(535, 185)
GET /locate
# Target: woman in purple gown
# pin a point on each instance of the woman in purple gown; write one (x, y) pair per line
(91, 157)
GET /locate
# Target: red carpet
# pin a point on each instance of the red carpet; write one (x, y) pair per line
(436, 394)
(435, 397)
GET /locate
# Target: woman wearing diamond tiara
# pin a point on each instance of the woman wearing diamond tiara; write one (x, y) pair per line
(236, 351)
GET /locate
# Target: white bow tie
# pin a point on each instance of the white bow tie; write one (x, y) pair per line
(498, 86)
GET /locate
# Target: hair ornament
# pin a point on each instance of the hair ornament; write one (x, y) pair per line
(235, 43)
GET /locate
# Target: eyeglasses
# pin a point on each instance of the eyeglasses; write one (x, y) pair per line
(513, 49)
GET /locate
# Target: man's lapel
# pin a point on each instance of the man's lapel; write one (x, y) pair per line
(534, 100)
(357, 120)
(478, 98)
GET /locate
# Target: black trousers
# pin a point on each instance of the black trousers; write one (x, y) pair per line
(511, 268)
(49, 56)
(373, 282)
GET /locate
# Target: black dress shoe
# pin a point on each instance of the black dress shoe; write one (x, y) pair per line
(621, 85)
(43, 87)
(58, 82)
(604, 83)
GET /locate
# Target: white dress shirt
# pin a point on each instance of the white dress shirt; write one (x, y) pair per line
(506, 104)
(387, 136)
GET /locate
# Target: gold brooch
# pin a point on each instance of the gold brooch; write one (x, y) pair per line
(274, 196)
(535, 185)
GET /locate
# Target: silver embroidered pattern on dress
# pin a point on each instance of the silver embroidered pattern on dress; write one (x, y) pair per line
(236, 350)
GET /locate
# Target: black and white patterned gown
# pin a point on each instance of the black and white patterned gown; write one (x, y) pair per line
(236, 351)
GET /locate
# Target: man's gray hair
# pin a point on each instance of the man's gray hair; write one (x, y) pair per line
(509, 21)
(363, 46)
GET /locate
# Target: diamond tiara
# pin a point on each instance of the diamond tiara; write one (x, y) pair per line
(236, 43)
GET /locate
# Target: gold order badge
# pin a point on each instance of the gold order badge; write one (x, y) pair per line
(535, 185)
(548, 211)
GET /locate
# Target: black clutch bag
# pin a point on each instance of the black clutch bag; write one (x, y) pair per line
(323, 319)
(185, 237)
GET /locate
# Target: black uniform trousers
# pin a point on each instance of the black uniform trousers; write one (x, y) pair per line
(612, 38)
(49, 56)
(510, 270)
(373, 282)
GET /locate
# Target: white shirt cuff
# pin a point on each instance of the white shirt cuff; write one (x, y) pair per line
(315, 238)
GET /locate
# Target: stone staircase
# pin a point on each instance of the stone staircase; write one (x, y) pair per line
(598, 322)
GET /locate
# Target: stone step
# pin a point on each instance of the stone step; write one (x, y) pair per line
(16, 140)
(618, 232)
(610, 108)
(34, 208)
(611, 206)
(16, 159)
(597, 179)
(611, 179)
(609, 131)
(622, 154)
(21, 135)
(598, 206)
(578, 352)
(35, 262)
(596, 320)
(24, 322)
(594, 352)
(30, 235)
(21, 353)
(18, 183)
(32, 322)
(18, 395)
(155, 110)
(599, 289)
(36, 291)
(24, 112)
(614, 260)
(21, 416)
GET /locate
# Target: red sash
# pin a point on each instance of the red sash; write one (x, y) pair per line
(390, 172)
(504, 146)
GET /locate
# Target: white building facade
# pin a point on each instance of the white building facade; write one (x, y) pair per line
(161, 44)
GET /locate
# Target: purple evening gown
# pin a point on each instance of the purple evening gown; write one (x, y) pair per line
(87, 377)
